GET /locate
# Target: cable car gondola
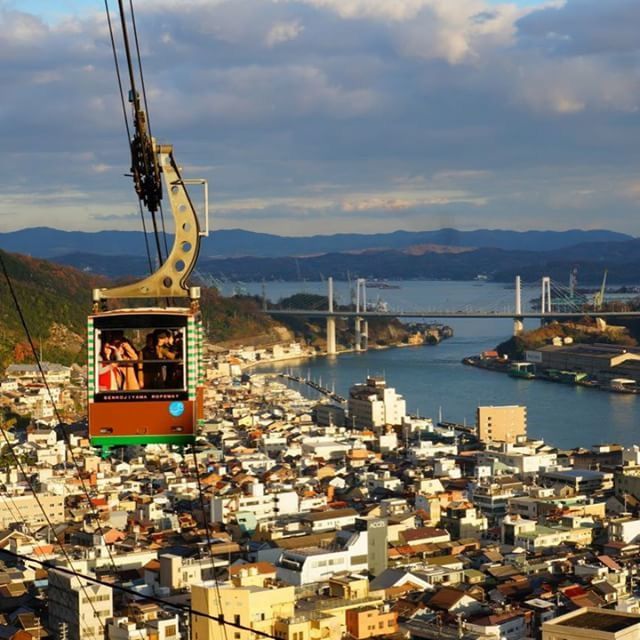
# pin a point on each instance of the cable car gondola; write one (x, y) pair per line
(145, 364)
(139, 397)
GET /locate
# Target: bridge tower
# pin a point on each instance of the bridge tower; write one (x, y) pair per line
(545, 297)
(331, 321)
(518, 325)
(361, 325)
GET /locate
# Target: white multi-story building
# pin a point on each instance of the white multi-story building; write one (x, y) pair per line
(166, 628)
(446, 468)
(314, 564)
(54, 373)
(492, 497)
(18, 508)
(383, 481)
(374, 405)
(177, 572)
(264, 506)
(522, 459)
(82, 607)
(427, 450)
(625, 529)
(326, 448)
(329, 520)
(271, 443)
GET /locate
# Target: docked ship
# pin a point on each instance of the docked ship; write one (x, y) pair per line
(525, 370)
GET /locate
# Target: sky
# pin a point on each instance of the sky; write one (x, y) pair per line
(325, 116)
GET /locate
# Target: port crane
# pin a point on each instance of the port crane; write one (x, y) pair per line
(598, 298)
(145, 362)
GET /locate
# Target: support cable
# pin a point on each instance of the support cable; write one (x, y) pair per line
(182, 608)
(208, 534)
(58, 417)
(126, 122)
(8, 500)
(139, 128)
(4, 492)
(146, 239)
(49, 523)
(146, 108)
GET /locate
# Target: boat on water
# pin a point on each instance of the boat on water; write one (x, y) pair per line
(623, 385)
(381, 284)
(566, 377)
(524, 370)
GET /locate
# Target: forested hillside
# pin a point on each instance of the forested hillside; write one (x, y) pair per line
(56, 300)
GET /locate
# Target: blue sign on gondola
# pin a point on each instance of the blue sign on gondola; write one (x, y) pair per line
(176, 409)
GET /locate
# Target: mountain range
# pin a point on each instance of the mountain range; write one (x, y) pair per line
(441, 254)
(45, 242)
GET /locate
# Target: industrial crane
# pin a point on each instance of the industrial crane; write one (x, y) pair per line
(598, 298)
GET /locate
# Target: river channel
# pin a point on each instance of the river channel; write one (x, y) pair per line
(433, 380)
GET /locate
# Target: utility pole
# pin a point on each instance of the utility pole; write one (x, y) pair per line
(63, 631)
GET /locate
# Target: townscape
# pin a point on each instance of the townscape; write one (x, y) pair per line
(311, 519)
(164, 474)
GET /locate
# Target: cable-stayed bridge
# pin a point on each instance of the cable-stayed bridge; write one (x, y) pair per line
(556, 302)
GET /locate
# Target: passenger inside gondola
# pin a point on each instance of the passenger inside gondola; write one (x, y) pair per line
(118, 366)
(158, 365)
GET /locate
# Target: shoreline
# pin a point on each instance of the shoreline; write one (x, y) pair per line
(503, 366)
(323, 354)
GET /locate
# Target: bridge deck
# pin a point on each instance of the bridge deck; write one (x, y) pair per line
(310, 313)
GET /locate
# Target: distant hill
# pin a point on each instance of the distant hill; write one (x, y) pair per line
(44, 242)
(56, 300)
(621, 259)
(442, 254)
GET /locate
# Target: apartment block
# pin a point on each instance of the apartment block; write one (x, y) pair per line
(501, 423)
(83, 606)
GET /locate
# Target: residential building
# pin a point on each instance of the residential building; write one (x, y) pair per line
(371, 622)
(591, 623)
(255, 607)
(624, 529)
(54, 373)
(328, 520)
(18, 508)
(82, 606)
(580, 481)
(462, 520)
(178, 573)
(374, 405)
(492, 497)
(501, 424)
(263, 505)
(362, 547)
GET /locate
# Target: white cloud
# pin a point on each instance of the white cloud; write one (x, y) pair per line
(571, 85)
(340, 109)
(283, 32)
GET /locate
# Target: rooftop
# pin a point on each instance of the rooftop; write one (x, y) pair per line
(598, 620)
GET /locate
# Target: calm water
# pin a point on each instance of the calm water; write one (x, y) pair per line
(431, 378)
